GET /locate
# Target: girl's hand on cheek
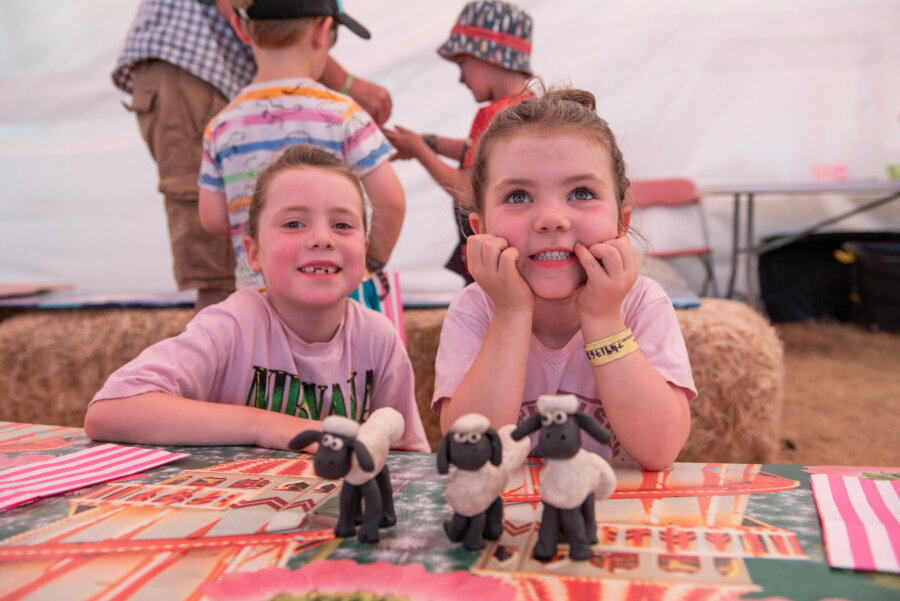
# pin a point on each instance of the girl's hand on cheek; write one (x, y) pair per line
(612, 270)
(494, 265)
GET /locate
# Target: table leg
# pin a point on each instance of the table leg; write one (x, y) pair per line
(735, 242)
(750, 256)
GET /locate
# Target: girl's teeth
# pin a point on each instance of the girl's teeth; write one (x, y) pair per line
(555, 255)
(319, 270)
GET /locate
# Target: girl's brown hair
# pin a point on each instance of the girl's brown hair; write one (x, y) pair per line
(298, 156)
(555, 110)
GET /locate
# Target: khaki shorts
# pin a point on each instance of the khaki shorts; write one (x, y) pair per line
(173, 108)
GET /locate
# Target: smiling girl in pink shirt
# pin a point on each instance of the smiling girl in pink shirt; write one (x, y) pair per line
(558, 306)
(265, 364)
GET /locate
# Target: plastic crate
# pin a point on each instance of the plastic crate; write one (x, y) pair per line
(804, 280)
(876, 282)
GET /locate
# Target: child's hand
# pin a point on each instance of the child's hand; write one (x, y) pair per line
(375, 99)
(494, 265)
(612, 269)
(408, 143)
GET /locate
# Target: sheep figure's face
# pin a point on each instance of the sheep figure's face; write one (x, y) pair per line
(333, 459)
(560, 436)
(469, 451)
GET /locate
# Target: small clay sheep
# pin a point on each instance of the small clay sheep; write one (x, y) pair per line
(571, 478)
(357, 453)
(479, 461)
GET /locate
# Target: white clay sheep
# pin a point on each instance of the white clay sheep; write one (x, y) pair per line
(479, 461)
(357, 453)
(571, 478)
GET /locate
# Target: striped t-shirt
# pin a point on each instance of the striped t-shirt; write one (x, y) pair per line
(265, 119)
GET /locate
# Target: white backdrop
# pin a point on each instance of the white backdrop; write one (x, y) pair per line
(748, 90)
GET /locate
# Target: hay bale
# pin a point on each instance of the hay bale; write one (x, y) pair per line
(54, 361)
(737, 361)
(423, 332)
(738, 364)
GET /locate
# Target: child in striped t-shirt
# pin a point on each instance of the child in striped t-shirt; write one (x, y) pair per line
(284, 105)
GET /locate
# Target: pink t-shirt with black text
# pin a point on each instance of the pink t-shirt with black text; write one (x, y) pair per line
(240, 352)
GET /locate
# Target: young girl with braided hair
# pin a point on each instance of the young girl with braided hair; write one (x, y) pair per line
(557, 306)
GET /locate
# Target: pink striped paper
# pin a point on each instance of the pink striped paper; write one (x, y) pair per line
(860, 520)
(83, 468)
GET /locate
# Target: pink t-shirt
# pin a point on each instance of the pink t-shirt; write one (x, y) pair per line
(240, 352)
(646, 309)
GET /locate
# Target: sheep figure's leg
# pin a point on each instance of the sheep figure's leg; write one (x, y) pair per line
(573, 523)
(349, 506)
(388, 517)
(455, 528)
(472, 539)
(493, 527)
(545, 547)
(368, 532)
(590, 520)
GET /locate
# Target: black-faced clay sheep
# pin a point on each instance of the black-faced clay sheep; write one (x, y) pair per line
(357, 453)
(571, 478)
(479, 461)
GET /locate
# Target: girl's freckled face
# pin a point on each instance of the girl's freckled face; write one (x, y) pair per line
(547, 191)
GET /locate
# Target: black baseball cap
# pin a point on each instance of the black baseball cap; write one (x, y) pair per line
(270, 10)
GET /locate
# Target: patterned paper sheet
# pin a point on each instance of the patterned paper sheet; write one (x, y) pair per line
(91, 466)
(860, 521)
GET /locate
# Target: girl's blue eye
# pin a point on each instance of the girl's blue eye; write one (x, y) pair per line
(518, 197)
(343, 226)
(582, 194)
(293, 225)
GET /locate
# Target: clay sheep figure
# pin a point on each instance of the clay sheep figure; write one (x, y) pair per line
(479, 461)
(571, 478)
(357, 453)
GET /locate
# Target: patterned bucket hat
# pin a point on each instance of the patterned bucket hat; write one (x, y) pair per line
(496, 32)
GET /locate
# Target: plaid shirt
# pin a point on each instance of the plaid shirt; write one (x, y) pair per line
(192, 35)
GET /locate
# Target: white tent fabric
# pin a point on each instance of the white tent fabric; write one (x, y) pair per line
(750, 90)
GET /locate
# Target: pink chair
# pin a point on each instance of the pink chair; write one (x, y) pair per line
(667, 213)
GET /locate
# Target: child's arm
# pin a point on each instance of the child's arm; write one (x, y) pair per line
(157, 418)
(375, 99)
(388, 209)
(213, 212)
(649, 416)
(409, 145)
(495, 382)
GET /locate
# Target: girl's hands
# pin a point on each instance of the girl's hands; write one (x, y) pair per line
(612, 269)
(494, 265)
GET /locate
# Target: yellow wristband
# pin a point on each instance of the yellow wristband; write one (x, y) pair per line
(611, 348)
(348, 83)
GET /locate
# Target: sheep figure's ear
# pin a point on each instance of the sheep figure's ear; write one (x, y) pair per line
(443, 454)
(304, 439)
(362, 455)
(592, 427)
(496, 446)
(530, 425)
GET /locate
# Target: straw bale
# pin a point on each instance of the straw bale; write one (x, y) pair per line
(737, 361)
(738, 365)
(423, 332)
(55, 360)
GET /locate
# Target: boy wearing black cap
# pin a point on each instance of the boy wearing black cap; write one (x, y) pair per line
(286, 105)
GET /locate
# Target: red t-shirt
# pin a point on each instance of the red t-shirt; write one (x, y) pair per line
(482, 119)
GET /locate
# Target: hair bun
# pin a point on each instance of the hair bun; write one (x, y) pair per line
(582, 97)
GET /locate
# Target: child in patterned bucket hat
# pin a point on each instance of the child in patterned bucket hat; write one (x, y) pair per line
(491, 43)
(496, 32)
